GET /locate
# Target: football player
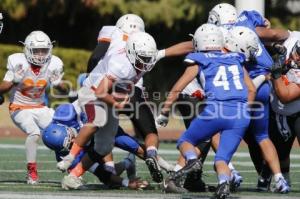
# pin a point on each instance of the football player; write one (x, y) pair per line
(116, 73)
(27, 76)
(285, 103)
(59, 136)
(226, 84)
(111, 39)
(225, 15)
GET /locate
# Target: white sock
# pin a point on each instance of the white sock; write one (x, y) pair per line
(31, 145)
(277, 176)
(110, 166)
(177, 167)
(231, 167)
(125, 182)
(164, 164)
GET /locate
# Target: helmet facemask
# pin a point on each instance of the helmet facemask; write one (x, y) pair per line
(141, 51)
(144, 61)
(68, 141)
(40, 56)
(38, 48)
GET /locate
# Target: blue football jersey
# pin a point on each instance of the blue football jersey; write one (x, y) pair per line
(252, 19)
(223, 75)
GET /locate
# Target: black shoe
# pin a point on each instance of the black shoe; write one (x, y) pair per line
(194, 183)
(263, 184)
(222, 191)
(170, 186)
(154, 169)
(192, 166)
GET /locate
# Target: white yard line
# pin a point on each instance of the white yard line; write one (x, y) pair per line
(119, 151)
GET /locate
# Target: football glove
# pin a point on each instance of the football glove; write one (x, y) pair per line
(161, 121)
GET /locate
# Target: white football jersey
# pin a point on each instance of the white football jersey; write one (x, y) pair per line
(116, 67)
(117, 40)
(195, 86)
(31, 87)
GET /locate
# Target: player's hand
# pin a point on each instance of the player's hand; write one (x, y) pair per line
(121, 104)
(138, 184)
(19, 73)
(279, 48)
(276, 70)
(161, 121)
(2, 99)
(56, 77)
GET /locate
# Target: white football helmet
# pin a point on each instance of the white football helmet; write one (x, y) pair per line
(131, 23)
(1, 22)
(222, 14)
(141, 51)
(208, 37)
(38, 48)
(243, 40)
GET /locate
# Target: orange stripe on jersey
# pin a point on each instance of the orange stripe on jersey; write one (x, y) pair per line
(13, 107)
(104, 39)
(125, 37)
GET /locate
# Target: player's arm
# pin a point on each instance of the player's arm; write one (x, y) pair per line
(97, 54)
(179, 49)
(271, 34)
(188, 76)
(251, 87)
(102, 93)
(286, 93)
(5, 86)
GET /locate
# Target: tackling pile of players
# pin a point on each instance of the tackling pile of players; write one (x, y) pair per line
(242, 82)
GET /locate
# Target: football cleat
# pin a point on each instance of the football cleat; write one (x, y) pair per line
(170, 186)
(263, 184)
(194, 183)
(71, 182)
(154, 169)
(65, 163)
(32, 175)
(222, 191)
(236, 180)
(281, 186)
(193, 166)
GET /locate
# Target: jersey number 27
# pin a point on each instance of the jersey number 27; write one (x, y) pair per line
(221, 77)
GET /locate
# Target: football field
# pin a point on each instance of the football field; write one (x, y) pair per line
(13, 172)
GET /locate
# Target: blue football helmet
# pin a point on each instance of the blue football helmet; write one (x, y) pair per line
(58, 137)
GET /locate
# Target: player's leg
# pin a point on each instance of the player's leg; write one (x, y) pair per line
(189, 107)
(103, 145)
(143, 121)
(235, 178)
(259, 127)
(97, 116)
(24, 119)
(229, 142)
(186, 145)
